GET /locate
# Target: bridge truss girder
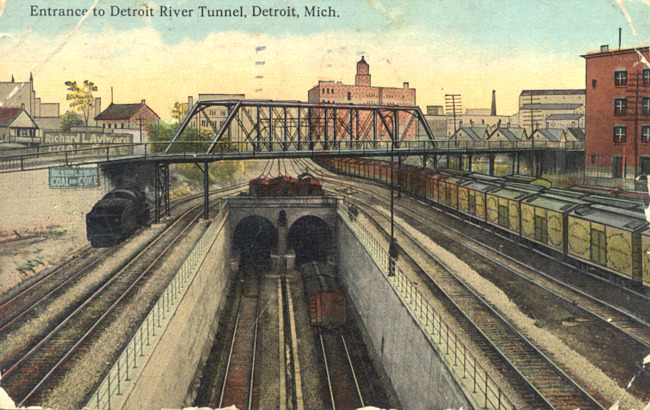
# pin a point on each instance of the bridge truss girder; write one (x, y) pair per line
(260, 125)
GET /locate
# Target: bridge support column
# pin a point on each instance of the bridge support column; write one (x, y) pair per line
(161, 191)
(206, 191)
(491, 164)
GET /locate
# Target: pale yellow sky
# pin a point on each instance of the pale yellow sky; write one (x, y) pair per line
(138, 65)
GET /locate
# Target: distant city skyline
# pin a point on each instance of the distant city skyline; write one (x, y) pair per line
(462, 47)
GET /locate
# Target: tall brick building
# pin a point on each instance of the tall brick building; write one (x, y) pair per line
(617, 136)
(362, 92)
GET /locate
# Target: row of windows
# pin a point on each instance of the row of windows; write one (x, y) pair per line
(114, 125)
(620, 133)
(620, 106)
(620, 77)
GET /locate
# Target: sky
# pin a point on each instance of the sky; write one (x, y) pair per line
(165, 51)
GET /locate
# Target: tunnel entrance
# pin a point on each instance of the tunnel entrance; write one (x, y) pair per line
(254, 238)
(311, 239)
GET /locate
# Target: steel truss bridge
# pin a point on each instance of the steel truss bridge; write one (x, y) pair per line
(263, 129)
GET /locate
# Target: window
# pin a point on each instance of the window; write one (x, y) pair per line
(620, 133)
(645, 105)
(620, 78)
(349, 95)
(646, 76)
(620, 106)
(593, 158)
(593, 83)
(645, 133)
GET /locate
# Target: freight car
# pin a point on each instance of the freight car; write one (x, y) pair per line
(327, 303)
(116, 216)
(285, 185)
(600, 230)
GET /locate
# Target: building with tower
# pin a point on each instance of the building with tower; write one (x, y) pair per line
(363, 92)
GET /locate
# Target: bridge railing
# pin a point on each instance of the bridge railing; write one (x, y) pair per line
(111, 390)
(473, 378)
(187, 150)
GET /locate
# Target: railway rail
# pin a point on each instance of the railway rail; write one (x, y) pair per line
(634, 327)
(343, 386)
(34, 366)
(238, 387)
(623, 320)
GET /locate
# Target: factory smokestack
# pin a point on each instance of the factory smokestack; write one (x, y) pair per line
(493, 110)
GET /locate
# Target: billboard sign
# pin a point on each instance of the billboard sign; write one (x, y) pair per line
(73, 177)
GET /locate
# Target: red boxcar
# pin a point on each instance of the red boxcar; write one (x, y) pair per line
(327, 304)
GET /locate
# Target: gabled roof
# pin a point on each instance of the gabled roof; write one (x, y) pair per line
(578, 133)
(511, 134)
(8, 114)
(474, 133)
(121, 111)
(550, 134)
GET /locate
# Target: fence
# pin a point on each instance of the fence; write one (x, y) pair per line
(479, 387)
(110, 391)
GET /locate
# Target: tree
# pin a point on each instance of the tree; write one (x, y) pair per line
(69, 120)
(81, 97)
(178, 111)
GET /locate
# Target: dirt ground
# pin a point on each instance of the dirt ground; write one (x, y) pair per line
(24, 257)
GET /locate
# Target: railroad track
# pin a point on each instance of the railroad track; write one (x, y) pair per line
(635, 327)
(544, 383)
(34, 367)
(239, 387)
(344, 390)
(536, 378)
(63, 276)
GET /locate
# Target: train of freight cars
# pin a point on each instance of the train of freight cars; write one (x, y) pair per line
(600, 230)
(116, 216)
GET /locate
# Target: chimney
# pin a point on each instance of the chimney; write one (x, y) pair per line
(190, 102)
(406, 85)
(22, 105)
(604, 48)
(493, 110)
(143, 102)
(98, 106)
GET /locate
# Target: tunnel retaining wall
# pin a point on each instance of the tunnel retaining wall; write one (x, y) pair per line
(417, 374)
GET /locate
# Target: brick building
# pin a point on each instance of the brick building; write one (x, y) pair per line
(128, 117)
(617, 137)
(363, 93)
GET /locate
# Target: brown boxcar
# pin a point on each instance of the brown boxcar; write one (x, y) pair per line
(327, 303)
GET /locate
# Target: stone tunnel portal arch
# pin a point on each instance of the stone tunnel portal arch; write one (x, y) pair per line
(311, 239)
(254, 238)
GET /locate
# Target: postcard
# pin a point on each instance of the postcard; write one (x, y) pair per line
(324, 203)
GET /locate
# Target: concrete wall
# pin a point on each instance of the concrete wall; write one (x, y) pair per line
(28, 204)
(167, 377)
(419, 377)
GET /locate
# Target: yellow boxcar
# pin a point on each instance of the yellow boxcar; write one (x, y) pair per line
(544, 217)
(503, 207)
(608, 237)
(645, 257)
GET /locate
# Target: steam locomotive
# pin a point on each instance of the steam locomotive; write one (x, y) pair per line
(116, 216)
